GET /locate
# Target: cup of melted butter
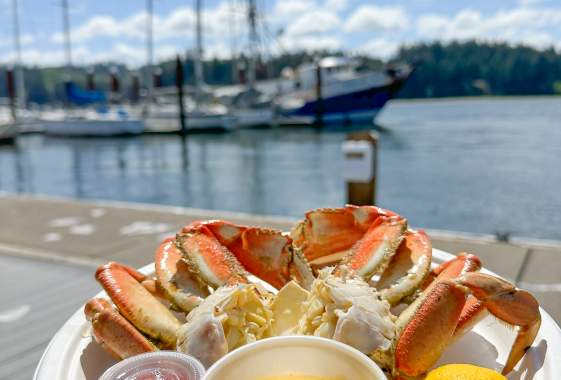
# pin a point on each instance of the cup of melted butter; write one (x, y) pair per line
(295, 358)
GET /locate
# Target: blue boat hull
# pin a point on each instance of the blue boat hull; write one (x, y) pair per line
(353, 107)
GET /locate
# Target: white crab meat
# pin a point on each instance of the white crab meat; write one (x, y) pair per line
(227, 319)
(347, 309)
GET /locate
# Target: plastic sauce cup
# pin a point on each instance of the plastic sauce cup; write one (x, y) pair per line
(160, 365)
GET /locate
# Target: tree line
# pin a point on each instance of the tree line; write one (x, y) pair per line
(453, 69)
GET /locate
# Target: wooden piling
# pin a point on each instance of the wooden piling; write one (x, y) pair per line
(90, 79)
(319, 96)
(179, 84)
(363, 191)
(135, 88)
(115, 85)
(10, 83)
(157, 78)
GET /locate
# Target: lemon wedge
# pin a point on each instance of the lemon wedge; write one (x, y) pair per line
(464, 372)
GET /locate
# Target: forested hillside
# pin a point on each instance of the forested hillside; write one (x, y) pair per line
(456, 69)
(471, 68)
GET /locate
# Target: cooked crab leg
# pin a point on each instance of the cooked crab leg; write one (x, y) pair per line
(463, 263)
(113, 332)
(374, 250)
(427, 327)
(210, 262)
(514, 306)
(408, 268)
(263, 252)
(136, 304)
(175, 280)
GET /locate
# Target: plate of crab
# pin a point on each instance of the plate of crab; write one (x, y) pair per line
(356, 274)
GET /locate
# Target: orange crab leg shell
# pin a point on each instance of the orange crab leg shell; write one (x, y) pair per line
(408, 268)
(114, 333)
(514, 306)
(427, 328)
(136, 304)
(209, 260)
(175, 280)
(327, 231)
(374, 250)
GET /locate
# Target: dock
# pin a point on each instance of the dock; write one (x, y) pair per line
(49, 248)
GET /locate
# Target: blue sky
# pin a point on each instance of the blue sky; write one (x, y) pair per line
(115, 29)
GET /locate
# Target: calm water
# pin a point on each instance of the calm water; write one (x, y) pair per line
(471, 165)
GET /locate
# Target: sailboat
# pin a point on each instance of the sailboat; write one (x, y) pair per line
(9, 123)
(103, 120)
(202, 114)
(248, 104)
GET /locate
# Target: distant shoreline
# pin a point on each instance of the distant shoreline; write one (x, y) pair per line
(476, 97)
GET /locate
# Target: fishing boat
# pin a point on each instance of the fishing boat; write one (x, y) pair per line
(344, 94)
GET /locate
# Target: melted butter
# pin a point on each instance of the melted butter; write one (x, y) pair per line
(300, 377)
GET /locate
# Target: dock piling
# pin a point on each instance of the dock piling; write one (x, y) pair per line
(179, 79)
(360, 151)
(319, 96)
(10, 83)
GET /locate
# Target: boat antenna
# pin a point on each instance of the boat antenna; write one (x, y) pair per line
(198, 46)
(66, 26)
(149, 48)
(20, 94)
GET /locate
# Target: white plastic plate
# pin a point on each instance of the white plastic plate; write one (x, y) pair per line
(73, 355)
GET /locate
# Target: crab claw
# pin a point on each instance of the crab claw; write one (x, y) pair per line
(175, 280)
(265, 253)
(513, 306)
(136, 304)
(113, 332)
(408, 268)
(328, 231)
(430, 323)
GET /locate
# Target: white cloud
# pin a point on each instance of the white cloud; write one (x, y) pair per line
(107, 26)
(285, 9)
(25, 39)
(383, 48)
(531, 26)
(311, 43)
(315, 22)
(371, 18)
(336, 5)
(81, 55)
(178, 23)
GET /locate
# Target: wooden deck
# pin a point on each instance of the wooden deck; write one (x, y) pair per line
(36, 297)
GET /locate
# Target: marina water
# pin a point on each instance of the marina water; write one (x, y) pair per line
(476, 165)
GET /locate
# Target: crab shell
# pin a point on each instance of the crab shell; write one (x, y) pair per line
(229, 318)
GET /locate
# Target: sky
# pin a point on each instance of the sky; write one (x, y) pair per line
(104, 30)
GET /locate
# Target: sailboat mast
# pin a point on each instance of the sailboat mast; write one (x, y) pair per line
(66, 26)
(198, 45)
(20, 85)
(253, 42)
(149, 48)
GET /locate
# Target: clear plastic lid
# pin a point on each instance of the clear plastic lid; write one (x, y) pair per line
(160, 365)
